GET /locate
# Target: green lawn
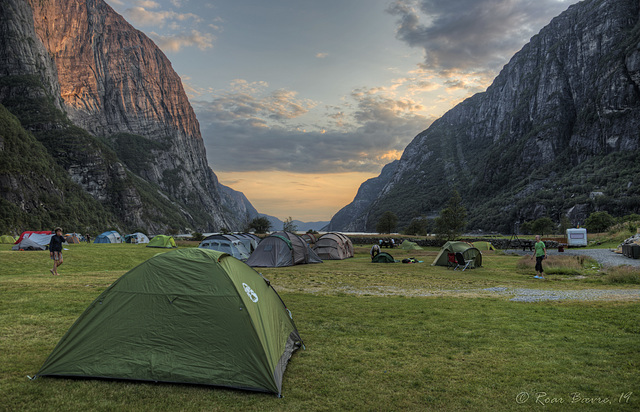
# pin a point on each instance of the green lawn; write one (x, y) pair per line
(378, 337)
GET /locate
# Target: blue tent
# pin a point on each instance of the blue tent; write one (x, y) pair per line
(109, 237)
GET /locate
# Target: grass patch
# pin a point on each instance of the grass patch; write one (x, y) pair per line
(560, 265)
(373, 340)
(622, 274)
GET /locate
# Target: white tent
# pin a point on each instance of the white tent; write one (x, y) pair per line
(137, 237)
(234, 247)
(39, 238)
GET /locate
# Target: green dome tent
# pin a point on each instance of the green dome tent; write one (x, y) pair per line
(162, 241)
(7, 239)
(187, 316)
(408, 245)
(383, 257)
(468, 252)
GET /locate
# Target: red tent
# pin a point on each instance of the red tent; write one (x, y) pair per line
(29, 233)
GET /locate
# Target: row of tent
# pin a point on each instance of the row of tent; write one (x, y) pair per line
(38, 240)
(469, 251)
(281, 248)
(160, 241)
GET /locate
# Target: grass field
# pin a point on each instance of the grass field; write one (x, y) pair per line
(378, 337)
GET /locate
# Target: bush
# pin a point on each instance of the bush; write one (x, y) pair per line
(599, 222)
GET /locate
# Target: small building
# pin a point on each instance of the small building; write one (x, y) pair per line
(577, 237)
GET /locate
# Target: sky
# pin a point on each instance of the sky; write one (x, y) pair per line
(301, 101)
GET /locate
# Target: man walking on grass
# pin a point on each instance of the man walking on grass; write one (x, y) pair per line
(55, 250)
(540, 254)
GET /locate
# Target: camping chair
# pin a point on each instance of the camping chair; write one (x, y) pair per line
(451, 263)
(461, 262)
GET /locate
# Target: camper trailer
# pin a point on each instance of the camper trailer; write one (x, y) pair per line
(577, 237)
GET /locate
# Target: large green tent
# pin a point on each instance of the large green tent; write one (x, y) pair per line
(468, 252)
(187, 316)
(162, 241)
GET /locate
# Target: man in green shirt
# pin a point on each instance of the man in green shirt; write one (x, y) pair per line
(540, 253)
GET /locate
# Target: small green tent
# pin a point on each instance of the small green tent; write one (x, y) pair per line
(383, 257)
(483, 246)
(7, 239)
(408, 245)
(162, 241)
(468, 252)
(187, 316)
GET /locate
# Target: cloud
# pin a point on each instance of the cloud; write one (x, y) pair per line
(142, 17)
(176, 42)
(321, 55)
(246, 132)
(147, 4)
(470, 35)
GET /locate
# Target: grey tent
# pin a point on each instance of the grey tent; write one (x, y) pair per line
(282, 249)
(28, 244)
(334, 246)
(230, 245)
(249, 241)
(252, 239)
(310, 238)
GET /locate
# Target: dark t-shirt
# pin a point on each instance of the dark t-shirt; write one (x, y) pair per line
(56, 243)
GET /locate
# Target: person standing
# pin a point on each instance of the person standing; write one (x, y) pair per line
(540, 252)
(55, 250)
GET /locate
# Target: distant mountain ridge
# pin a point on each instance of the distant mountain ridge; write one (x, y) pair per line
(559, 123)
(277, 224)
(105, 102)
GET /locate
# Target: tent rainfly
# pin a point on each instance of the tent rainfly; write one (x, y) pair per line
(409, 245)
(199, 317)
(481, 245)
(7, 239)
(383, 257)
(110, 236)
(232, 246)
(28, 244)
(137, 237)
(333, 246)
(468, 252)
(42, 237)
(282, 249)
(162, 241)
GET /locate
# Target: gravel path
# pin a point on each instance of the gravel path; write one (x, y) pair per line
(537, 295)
(604, 256)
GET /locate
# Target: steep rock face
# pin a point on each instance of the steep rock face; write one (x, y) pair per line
(568, 98)
(75, 66)
(113, 79)
(29, 87)
(351, 218)
(23, 55)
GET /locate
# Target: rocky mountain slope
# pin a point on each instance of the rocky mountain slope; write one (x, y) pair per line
(107, 105)
(556, 134)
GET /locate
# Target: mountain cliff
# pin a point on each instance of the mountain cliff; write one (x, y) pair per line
(556, 134)
(107, 105)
